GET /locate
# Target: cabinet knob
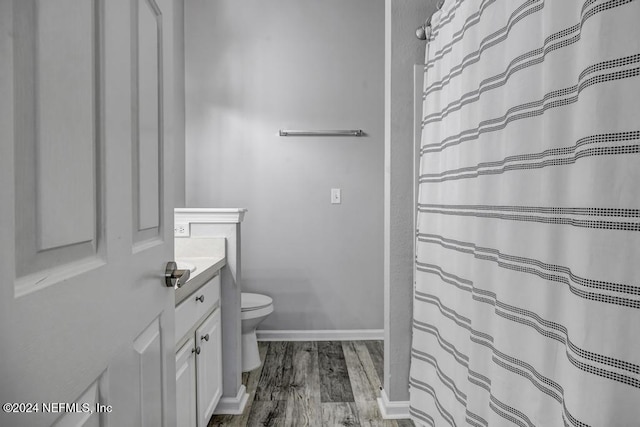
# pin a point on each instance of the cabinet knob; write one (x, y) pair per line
(200, 298)
(205, 337)
(196, 350)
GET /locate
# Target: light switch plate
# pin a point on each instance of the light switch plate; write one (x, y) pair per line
(336, 196)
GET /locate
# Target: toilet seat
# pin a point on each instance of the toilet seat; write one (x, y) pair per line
(250, 302)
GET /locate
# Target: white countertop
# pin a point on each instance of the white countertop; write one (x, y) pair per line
(205, 269)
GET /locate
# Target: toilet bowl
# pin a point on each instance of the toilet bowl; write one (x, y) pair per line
(255, 308)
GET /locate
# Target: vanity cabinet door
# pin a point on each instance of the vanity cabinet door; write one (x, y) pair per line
(209, 367)
(186, 384)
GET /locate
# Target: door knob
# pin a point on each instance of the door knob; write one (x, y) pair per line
(205, 337)
(174, 277)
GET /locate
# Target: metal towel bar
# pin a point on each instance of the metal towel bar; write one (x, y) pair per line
(354, 132)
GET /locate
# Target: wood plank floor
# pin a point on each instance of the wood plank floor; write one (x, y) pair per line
(324, 383)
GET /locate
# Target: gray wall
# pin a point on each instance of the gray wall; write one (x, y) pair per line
(179, 123)
(402, 51)
(253, 67)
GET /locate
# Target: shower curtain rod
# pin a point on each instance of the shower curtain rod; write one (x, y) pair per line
(354, 132)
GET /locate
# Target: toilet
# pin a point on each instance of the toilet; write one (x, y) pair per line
(255, 308)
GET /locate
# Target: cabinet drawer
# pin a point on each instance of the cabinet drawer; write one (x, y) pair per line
(189, 311)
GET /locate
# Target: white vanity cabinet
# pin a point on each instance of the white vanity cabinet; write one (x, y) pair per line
(199, 355)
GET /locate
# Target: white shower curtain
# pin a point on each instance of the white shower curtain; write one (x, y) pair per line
(527, 296)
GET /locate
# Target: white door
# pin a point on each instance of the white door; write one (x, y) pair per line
(86, 106)
(186, 385)
(209, 367)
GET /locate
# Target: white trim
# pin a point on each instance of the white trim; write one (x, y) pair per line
(233, 405)
(321, 335)
(386, 226)
(396, 410)
(209, 215)
(418, 82)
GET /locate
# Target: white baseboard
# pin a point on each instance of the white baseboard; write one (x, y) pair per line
(321, 335)
(233, 405)
(392, 410)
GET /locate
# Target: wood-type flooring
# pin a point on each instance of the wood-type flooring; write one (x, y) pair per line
(317, 383)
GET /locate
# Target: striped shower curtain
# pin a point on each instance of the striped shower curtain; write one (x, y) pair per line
(527, 294)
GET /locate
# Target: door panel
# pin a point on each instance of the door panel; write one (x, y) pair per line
(84, 314)
(65, 123)
(149, 354)
(56, 138)
(147, 121)
(89, 399)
